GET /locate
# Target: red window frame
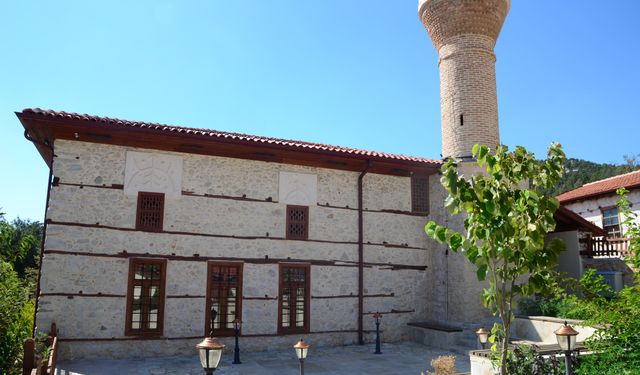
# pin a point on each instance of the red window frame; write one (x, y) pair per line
(150, 212)
(218, 285)
(152, 274)
(297, 229)
(292, 311)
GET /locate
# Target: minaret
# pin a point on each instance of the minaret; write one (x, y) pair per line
(464, 32)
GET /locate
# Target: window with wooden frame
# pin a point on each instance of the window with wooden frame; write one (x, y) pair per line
(150, 212)
(293, 307)
(145, 297)
(297, 222)
(224, 294)
(420, 193)
(611, 222)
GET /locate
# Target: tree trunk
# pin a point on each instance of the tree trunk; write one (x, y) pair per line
(503, 354)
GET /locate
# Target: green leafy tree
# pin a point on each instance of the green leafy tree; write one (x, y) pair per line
(16, 318)
(506, 224)
(631, 225)
(19, 243)
(579, 172)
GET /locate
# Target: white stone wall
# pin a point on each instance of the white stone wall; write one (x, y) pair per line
(91, 238)
(455, 292)
(591, 209)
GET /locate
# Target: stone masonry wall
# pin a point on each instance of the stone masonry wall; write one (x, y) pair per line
(91, 238)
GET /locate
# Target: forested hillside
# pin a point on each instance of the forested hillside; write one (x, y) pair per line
(579, 172)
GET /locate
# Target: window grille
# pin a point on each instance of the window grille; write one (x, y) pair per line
(150, 212)
(294, 299)
(224, 294)
(297, 222)
(420, 194)
(145, 297)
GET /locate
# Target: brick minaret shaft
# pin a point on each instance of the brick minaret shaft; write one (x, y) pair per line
(465, 32)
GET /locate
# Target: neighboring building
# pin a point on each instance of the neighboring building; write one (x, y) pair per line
(596, 201)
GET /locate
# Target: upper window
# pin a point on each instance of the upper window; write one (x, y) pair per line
(294, 298)
(145, 297)
(611, 222)
(420, 193)
(297, 222)
(150, 212)
(224, 295)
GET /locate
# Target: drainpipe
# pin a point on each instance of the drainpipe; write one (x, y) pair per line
(44, 229)
(361, 255)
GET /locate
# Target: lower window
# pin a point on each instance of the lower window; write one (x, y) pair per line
(145, 297)
(293, 311)
(224, 295)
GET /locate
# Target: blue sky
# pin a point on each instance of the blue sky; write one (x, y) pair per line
(347, 72)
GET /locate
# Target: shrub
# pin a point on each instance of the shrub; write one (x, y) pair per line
(443, 365)
(16, 319)
(574, 299)
(524, 360)
(616, 344)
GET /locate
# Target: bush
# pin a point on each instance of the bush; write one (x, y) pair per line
(574, 299)
(524, 360)
(16, 319)
(616, 344)
(443, 365)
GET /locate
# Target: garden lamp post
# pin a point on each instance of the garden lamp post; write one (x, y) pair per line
(237, 324)
(377, 316)
(301, 348)
(483, 336)
(210, 350)
(567, 340)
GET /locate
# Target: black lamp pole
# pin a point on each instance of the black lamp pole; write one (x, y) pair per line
(377, 317)
(236, 351)
(567, 362)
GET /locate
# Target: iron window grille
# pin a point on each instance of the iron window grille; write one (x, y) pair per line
(293, 309)
(297, 222)
(145, 297)
(150, 212)
(420, 194)
(224, 294)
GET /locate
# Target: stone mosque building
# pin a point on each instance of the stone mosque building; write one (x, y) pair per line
(150, 226)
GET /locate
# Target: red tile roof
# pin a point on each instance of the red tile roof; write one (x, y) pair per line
(292, 144)
(603, 187)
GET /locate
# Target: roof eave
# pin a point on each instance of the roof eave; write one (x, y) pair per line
(49, 128)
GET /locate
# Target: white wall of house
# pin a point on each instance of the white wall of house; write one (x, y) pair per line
(90, 241)
(591, 209)
(570, 261)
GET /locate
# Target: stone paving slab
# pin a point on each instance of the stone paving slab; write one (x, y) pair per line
(397, 359)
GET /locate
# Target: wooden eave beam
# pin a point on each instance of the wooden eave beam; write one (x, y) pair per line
(50, 129)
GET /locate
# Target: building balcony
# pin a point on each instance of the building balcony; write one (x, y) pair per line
(607, 247)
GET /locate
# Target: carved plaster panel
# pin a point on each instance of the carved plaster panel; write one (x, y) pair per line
(298, 188)
(158, 173)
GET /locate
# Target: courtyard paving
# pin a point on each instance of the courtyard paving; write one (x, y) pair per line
(405, 358)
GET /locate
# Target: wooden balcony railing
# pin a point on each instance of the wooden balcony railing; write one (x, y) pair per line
(607, 247)
(33, 363)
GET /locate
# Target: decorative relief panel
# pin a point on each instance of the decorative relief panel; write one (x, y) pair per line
(158, 173)
(298, 188)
